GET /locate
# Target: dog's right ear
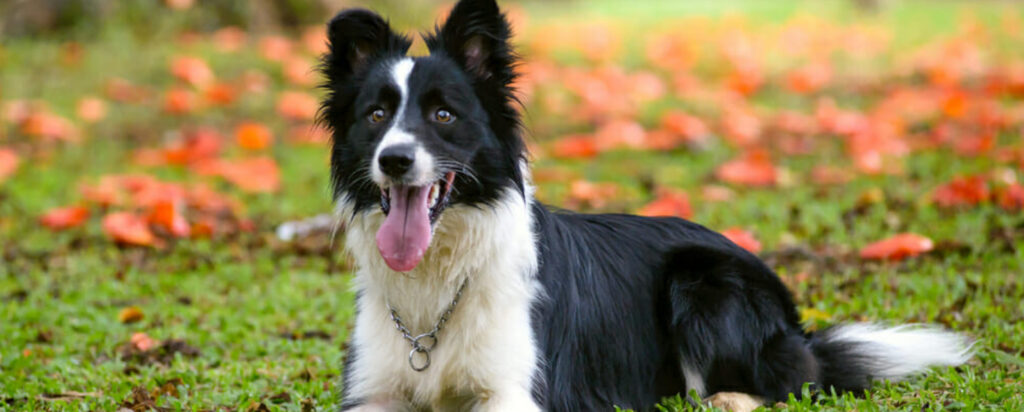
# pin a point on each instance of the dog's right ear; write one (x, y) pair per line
(355, 38)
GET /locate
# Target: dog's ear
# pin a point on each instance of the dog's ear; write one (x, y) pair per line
(476, 35)
(355, 38)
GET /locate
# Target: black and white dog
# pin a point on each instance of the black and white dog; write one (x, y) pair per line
(473, 296)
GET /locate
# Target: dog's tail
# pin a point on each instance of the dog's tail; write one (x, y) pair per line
(853, 355)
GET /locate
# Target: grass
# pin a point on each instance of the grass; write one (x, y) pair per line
(268, 320)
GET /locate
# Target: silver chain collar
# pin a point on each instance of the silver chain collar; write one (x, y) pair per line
(419, 346)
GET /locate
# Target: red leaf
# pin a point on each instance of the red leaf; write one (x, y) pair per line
(962, 191)
(620, 133)
(256, 175)
(898, 247)
(574, 146)
(168, 215)
(142, 341)
(128, 228)
(1011, 197)
(9, 162)
(297, 106)
(691, 128)
(593, 194)
(179, 101)
(743, 238)
(668, 203)
(221, 94)
(752, 168)
(64, 217)
(275, 48)
(192, 70)
(91, 109)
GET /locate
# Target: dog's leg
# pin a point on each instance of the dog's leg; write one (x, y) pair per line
(508, 400)
(382, 405)
(734, 401)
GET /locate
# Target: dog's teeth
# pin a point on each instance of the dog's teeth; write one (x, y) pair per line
(433, 195)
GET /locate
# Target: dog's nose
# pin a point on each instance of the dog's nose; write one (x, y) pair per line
(396, 160)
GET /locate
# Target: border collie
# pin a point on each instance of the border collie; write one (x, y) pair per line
(471, 295)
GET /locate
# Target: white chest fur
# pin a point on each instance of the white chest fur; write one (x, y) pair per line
(485, 355)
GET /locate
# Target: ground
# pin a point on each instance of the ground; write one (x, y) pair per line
(239, 319)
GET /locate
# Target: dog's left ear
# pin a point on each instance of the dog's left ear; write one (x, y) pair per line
(476, 35)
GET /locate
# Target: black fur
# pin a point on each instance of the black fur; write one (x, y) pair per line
(626, 300)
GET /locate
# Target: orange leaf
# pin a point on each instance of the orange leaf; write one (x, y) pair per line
(256, 175)
(128, 228)
(593, 194)
(48, 125)
(897, 247)
(1012, 197)
(9, 162)
(668, 203)
(229, 39)
(253, 136)
(192, 70)
(297, 106)
(620, 133)
(130, 314)
(299, 71)
(91, 109)
(179, 101)
(743, 238)
(168, 215)
(691, 128)
(752, 168)
(275, 48)
(809, 79)
(64, 217)
(574, 146)
(142, 341)
(202, 143)
(222, 94)
(308, 134)
(315, 39)
(179, 4)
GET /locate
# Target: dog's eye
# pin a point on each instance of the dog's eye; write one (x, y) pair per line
(444, 116)
(377, 116)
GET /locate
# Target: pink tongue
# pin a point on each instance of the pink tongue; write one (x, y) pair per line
(405, 234)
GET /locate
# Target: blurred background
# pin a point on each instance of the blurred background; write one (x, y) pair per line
(150, 150)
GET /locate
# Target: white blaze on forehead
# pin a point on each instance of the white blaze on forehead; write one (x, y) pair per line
(424, 164)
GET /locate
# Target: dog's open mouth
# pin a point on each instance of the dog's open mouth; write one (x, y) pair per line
(410, 212)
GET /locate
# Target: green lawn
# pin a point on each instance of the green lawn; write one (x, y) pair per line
(248, 321)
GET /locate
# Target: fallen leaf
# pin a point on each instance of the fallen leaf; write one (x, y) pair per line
(297, 105)
(574, 146)
(962, 191)
(91, 109)
(743, 238)
(142, 341)
(1011, 197)
(9, 162)
(179, 101)
(897, 247)
(128, 228)
(595, 195)
(130, 314)
(64, 217)
(168, 214)
(192, 70)
(253, 136)
(669, 202)
(752, 168)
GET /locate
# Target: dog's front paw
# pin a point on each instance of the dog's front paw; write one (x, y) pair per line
(734, 401)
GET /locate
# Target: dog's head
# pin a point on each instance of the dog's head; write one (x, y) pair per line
(413, 136)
